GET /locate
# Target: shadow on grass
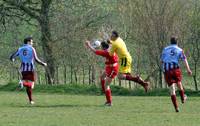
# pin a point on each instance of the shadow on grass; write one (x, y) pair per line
(58, 106)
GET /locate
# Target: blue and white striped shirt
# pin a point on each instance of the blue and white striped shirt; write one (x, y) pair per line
(27, 55)
(170, 57)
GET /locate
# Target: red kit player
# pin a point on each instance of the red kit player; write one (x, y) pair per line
(110, 71)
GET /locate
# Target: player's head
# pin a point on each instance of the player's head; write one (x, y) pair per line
(104, 45)
(173, 40)
(28, 40)
(114, 35)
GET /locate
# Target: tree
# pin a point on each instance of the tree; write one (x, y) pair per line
(148, 26)
(38, 11)
(194, 38)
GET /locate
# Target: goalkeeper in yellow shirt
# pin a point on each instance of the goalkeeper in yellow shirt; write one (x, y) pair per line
(125, 60)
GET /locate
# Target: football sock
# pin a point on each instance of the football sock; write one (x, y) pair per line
(173, 98)
(181, 92)
(108, 95)
(29, 93)
(103, 85)
(135, 79)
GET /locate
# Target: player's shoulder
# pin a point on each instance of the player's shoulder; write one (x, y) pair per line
(173, 46)
(178, 48)
(118, 42)
(120, 39)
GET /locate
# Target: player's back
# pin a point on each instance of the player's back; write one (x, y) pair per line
(26, 55)
(120, 48)
(172, 54)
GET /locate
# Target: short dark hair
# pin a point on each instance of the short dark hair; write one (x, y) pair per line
(104, 45)
(115, 33)
(173, 40)
(28, 39)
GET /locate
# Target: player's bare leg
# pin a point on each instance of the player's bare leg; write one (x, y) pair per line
(173, 96)
(103, 81)
(108, 92)
(137, 79)
(33, 85)
(181, 92)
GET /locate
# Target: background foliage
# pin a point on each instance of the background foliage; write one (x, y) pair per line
(60, 27)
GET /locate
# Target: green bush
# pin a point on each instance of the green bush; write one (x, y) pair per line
(94, 90)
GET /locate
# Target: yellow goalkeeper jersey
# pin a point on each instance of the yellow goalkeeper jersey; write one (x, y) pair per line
(119, 47)
(125, 60)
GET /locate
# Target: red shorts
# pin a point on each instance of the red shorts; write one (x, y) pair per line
(28, 75)
(173, 76)
(111, 71)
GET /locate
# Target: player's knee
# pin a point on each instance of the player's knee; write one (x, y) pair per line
(172, 89)
(180, 86)
(108, 80)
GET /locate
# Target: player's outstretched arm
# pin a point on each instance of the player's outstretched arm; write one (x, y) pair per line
(87, 43)
(184, 58)
(187, 67)
(13, 56)
(38, 60)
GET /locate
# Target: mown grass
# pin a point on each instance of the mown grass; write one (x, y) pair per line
(52, 109)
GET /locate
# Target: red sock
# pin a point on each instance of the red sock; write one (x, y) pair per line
(173, 98)
(103, 85)
(108, 96)
(135, 79)
(130, 77)
(29, 93)
(181, 92)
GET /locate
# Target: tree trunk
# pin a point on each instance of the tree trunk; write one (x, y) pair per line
(38, 77)
(75, 77)
(71, 74)
(120, 83)
(57, 75)
(93, 75)
(160, 78)
(46, 40)
(195, 77)
(129, 83)
(83, 75)
(65, 74)
(89, 72)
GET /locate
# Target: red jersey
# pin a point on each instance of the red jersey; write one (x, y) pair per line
(109, 59)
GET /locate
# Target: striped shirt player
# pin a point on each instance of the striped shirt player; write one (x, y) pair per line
(170, 57)
(170, 62)
(27, 56)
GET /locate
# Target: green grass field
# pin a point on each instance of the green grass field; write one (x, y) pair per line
(86, 110)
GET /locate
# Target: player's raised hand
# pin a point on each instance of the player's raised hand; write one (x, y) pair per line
(87, 43)
(189, 72)
(45, 64)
